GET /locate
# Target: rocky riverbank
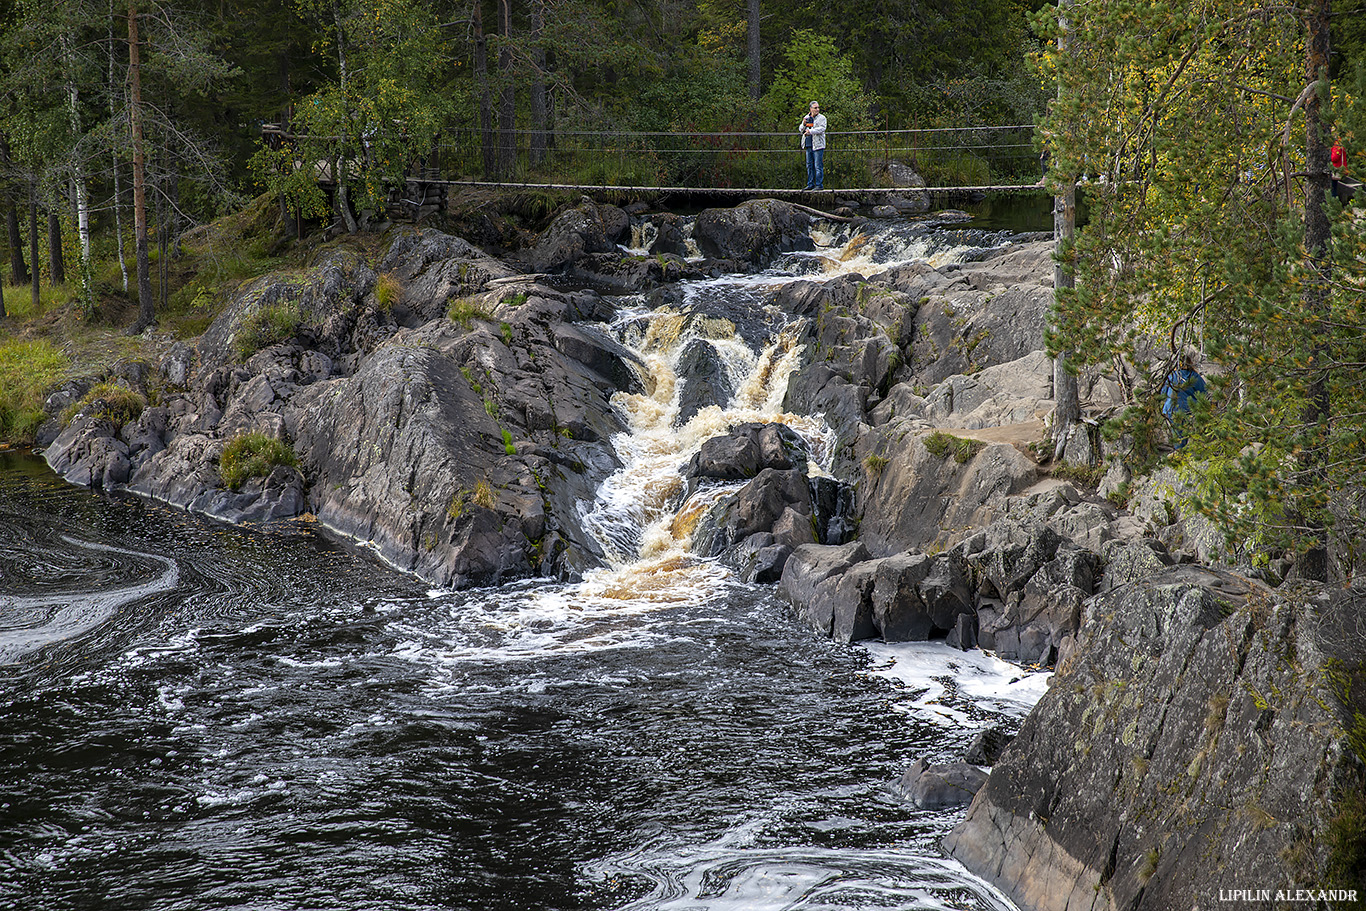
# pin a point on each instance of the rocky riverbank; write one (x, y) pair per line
(454, 410)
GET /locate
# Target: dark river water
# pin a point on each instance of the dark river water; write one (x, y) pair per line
(228, 719)
(195, 716)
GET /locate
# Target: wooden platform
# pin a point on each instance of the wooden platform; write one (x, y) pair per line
(750, 192)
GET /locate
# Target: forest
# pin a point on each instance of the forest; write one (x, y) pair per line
(113, 110)
(1200, 134)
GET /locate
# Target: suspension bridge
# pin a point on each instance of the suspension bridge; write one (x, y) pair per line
(940, 164)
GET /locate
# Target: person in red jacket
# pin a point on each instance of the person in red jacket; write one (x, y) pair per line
(1337, 157)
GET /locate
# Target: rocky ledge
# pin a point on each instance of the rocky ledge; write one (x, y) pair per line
(1197, 738)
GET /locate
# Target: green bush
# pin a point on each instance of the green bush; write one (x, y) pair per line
(266, 326)
(465, 311)
(387, 291)
(28, 370)
(253, 455)
(114, 401)
(942, 445)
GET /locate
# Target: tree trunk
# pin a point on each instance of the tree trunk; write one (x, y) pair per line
(538, 112)
(56, 261)
(114, 152)
(146, 306)
(1066, 399)
(1313, 563)
(754, 47)
(33, 245)
(507, 111)
(487, 144)
(79, 197)
(18, 268)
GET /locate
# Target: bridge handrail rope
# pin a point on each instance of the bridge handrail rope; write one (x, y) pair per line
(677, 134)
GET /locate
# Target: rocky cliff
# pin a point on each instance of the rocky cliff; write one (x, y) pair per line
(1199, 737)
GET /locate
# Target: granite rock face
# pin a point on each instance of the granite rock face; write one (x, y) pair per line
(1191, 742)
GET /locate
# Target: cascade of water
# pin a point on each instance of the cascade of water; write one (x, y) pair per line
(641, 517)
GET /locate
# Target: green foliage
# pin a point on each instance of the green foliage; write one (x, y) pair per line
(253, 455)
(942, 445)
(1195, 241)
(363, 129)
(1085, 475)
(114, 401)
(28, 370)
(388, 289)
(874, 463)
(465, 311)
(508, 445)
(1347, 841)
(815, 71)
(266, 326)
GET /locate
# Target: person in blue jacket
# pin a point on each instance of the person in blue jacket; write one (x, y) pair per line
(1181, 388)
(813, 141)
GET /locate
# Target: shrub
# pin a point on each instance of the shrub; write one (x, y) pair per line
(1085, 475)
(267, 326)
(464, 311)
(28, 369)
(114, 401)
(483, 495)
(875, 463)
(387, 291)
(941, 445)
(253, 455)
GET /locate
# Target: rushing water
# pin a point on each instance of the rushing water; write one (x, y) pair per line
(194, 716)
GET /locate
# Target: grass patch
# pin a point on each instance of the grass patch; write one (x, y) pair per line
(28, 370)
(253, 455)
(19, 299)
(874, 463)
(465, 311)
(508, 446)
(942, 445)
(388, 289)
(267, 326)
(1085, 475)
(114, 401)
(483, 495)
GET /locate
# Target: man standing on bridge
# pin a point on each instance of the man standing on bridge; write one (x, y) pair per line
(813, 141)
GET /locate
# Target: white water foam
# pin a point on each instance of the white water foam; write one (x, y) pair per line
(939, 679)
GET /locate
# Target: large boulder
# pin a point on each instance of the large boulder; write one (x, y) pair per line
(814, 582)
(1193, 742)
(753, 231)
(941, 786)
(585, 229)
(915, 497)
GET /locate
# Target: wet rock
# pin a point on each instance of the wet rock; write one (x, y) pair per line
(941, 786)
(811, 576)
(852, 607)
(899, 612)
(706, 381)
(753, 231)
(1196, 679)
(602, 354)
(748, 449)
(986, 748)
(755, 508)
(760, 559)
(586, 228)
(88, 453)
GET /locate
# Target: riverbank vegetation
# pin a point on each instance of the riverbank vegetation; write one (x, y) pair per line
(1215, 237)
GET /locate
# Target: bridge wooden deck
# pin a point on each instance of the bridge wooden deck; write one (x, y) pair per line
(825, 195)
